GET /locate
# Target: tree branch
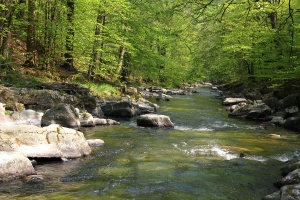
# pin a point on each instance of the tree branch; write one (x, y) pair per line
(225, 10)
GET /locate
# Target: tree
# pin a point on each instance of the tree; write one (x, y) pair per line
(98, 45)
(31, 34)
(7, 9)
(69, 60)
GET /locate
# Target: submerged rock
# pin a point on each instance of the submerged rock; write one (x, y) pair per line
(95, 142)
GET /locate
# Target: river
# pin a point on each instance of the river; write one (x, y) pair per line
(199, 159)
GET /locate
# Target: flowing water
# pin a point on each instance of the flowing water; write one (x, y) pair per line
(199, 159)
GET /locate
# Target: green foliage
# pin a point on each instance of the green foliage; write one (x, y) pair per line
(165, 42)
(17, 79)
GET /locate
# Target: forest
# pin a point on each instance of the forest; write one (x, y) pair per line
(166, 42)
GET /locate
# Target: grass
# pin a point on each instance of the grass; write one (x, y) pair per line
(103, 90)
(30, 78)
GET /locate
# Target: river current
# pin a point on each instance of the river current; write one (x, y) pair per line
(198, 159)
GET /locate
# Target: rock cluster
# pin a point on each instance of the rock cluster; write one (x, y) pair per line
(162, 94)
(290, 183)
(45, 123)
(282, 112)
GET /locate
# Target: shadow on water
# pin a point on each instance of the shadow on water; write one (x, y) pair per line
(199, 159)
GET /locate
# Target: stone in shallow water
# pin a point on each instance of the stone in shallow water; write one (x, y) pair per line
(232, 101)
(14, 165)
(154, 120)
(95, 142)
(52, 141)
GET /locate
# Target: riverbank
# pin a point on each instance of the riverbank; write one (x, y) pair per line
(272, 108)
(183, 126)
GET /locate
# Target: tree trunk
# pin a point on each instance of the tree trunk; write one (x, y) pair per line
(69, 60)
(121, 59)
(162, 51)
(98, 45)
(31, 39)
(6, 17)
(125, 71)
(273, 16)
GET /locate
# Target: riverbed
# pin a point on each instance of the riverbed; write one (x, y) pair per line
(198, 159)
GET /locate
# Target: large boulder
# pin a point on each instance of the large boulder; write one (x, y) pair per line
(63, 114)
(240, 110)
(144, 106)
(292, 178)
(119, 109)
(14, 165)
(250, 111)
(258, 111)
(291, 166)
(292, 123)
(52, 141)
(154, 120)
(273, 103)
(290, 100)
(287, 192)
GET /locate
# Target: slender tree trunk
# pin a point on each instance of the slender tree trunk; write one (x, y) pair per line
(121, 65)
(69, 60)
(125, 71)
(52, 43)
(6, 17)
(162, 51)
(47, 8)
(273, 16)
(31, 35)
(98, 45)
(121, 59)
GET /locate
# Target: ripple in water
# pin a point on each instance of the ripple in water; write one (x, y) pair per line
(206, 150)
(218, 125)
(287, 156)
(185, 128)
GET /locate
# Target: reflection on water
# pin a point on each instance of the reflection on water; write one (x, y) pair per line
(199, 159)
